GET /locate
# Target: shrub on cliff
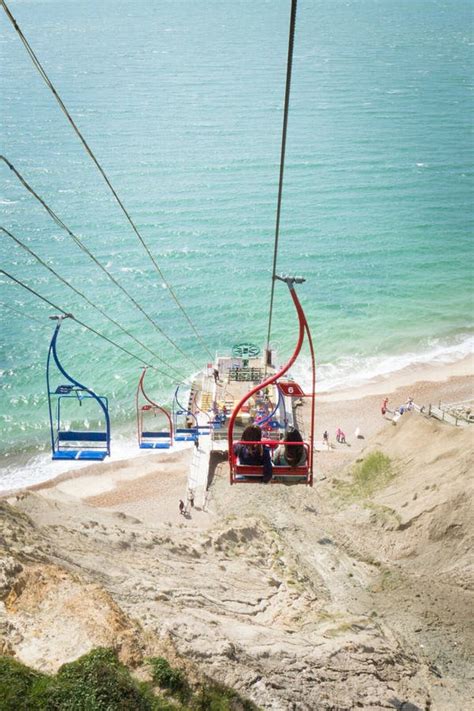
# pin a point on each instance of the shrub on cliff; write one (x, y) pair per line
(368, 476)
(96, 681)
(16, 683)
(217, 697)
(173, 680)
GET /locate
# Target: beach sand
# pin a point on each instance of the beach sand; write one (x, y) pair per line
(150, 487)
(290, 594)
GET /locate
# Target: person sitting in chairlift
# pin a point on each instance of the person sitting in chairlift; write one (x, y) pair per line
(290, 455)
(254, 454)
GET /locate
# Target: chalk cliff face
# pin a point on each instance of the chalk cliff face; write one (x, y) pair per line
(299, 599)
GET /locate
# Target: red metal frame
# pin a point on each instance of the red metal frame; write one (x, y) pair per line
(303, 330)
(249, 471)
(151, 406)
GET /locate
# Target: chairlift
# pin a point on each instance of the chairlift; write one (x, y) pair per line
(190, 431)
(149, 437)
(249, 473)
(75, 444)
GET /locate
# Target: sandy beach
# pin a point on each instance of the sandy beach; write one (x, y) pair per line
(150, 487)
(297, 597)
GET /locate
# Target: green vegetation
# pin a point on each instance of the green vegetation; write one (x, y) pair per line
(168, 678)
(97, 681)
(369, 475)
(217, 697)
(16, 683)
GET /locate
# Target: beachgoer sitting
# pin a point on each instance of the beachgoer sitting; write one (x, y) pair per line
(254, 454)
(290, 455)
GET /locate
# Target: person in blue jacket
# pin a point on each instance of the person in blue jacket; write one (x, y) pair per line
(254, 454)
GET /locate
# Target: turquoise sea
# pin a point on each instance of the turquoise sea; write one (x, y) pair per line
(181, 100)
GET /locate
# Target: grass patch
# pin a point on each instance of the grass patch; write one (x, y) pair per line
(217, 697)
(374, 472)
(98, 681)
(173, 680)
(16, 684)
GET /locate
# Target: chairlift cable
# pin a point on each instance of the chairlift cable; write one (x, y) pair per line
(91, 303)
(23, 315)
(87, 251)
(81, 323)
(282, 163)
(50, 85)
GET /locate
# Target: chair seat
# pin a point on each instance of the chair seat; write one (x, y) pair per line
(97, 455)
(249, 474)
(154, 445)
(250, 470)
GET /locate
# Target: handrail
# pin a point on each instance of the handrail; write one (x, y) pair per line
(199, 409)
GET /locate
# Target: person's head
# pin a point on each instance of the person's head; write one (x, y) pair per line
(293, 435)
(293, 452)
(252, 433)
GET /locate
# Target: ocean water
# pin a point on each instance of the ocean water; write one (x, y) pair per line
(181, 100)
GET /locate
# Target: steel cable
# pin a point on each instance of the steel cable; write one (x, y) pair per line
(23, 315)
(85, 325)
(87, 251)
(50, 85)
(289, 65)
(91, 303)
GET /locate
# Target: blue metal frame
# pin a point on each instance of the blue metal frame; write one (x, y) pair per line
(78, 391)
(280, 405)
(181, 434)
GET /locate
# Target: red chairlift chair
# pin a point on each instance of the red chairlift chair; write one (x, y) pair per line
(247, 473)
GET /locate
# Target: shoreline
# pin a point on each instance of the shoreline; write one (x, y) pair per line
(351, 409)
(409, 376)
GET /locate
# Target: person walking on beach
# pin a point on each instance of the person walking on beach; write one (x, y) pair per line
(384, 407)
(181, 507)
(191, 498)
(326, 438)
